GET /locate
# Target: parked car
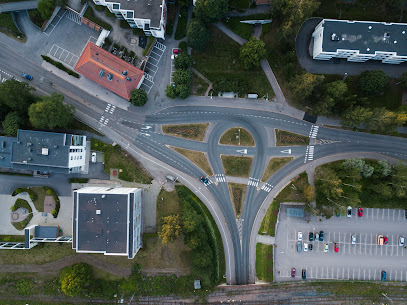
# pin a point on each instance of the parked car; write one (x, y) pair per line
(27, 76)
(405, 213)
(299, 246)
(336, 247)
(299, 235)
(316, 236)
(386, 240)
(204, 180)
(304, 274)
(326, 248)
(360, 212)
(305, 247)
(401, 241)
(311, 236)
(321, 236)
(177, 51)
(384, 277)
(310, 247)
(349, 214)
(354, 239)
(292, 272)
(93, 157)
(380, 240)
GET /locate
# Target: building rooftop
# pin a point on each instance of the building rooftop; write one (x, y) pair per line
(108, 70)
(143, 9)
(6, 144)
(46, 232)
(366, 36)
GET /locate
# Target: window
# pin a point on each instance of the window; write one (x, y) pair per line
(71, 158)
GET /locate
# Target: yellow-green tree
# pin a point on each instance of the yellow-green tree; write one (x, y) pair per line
(170, 229)
(75, 279)
(309, 192)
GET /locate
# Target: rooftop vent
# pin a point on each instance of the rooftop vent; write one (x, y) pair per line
(98, 212)
(334, 37)
(3, 144)
(55, 146)
(1, 157)
(403, 32)
(124, 72)
(110, 76)
(370, 27)
(395, 41)
(386, 36)
(29, 159)
(103, 196)
(368, 49)
(29, 144)
(44, 151)
(128, 78)
(102, 72)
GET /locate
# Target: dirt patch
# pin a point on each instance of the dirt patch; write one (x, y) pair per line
(49, 204)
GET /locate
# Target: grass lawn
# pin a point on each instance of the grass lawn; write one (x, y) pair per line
(244, 30)
(181, 29)
(237, 193)
(7, 25)
(264, 262)
(198, 85)
(197, 157)
(274, 165)
(286, 138)
(237, 166)
(171, 14)
(39, 201)
(231, 137)
(221, 60)
(168, 205)
(189, 131)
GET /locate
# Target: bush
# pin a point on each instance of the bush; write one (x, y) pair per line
(30, 192)
(183, 46)
(181, 30)
(51, 192)
(373, 82)
(83, 1)
(24, 287)
(46, 8)
(170, 28)
(75, 279)
(138, 32)
(138, 97)
(226, 85)
(197, 34)
(60, 66)
(99, 8)
(132, 54)
(124, 24)
(109, 14)
(150, 41)
(78, 180)
(108, 41)
(21, 203)
(182, 61)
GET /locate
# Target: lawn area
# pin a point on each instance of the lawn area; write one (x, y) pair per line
(237, 136)
(198, 85)
(168, 205)
(244, 30)
(188, 131)
(264, 262)
(286, 138)
(171, 14)
(116, 157)
(274, 165)
(7, 25)
(237, 166)
(221, 61)
(237, 193)
(39, 201)
(197, 157)
(181, 29)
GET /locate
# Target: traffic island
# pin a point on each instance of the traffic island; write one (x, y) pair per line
(237, 193)
(286, 138)
(237, 136)
(274, 165)
(237, 166)
(197, 157)
(188, 131)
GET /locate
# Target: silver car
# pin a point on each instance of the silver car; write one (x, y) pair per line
(354, 239)
(401, 241)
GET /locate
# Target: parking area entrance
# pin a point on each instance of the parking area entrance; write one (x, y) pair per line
(152, 65)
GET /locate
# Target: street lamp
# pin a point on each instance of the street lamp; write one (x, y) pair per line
(239, 136)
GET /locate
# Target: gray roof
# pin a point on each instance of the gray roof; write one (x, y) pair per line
(367, 37)
(46, 232)
(6, 144)
(106, 231)
(41, 150)
(143, 9)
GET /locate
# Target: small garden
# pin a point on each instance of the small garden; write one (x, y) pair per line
(237, 193)
(237, 166)
(286, 138)
(90, 15)
(237, 136)
(189, 131)
(21, 203)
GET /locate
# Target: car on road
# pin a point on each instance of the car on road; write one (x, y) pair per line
(384, 276)
(360, 212)
(299, 246)
(354, 239)
(310, 247)
(349, 214)
(93, 157)
(386, 240)
(292, 272)
(311, 236)
(380, 240)
(401, 241)
(299, 235)
(305, 247)
(326, 247)
(304, 274)
(204, 180)
(27, 76)
(336, 247)
(321, 236)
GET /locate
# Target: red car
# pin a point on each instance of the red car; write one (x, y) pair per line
(292, 272)
(177, 51)
(386, 240)
(336, 247)
(360, 212)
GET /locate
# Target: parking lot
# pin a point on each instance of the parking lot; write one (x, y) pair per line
(152, 66)
(363, 260)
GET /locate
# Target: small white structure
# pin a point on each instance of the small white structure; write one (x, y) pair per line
(360, 41)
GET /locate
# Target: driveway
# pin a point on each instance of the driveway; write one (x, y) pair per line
(336, 66)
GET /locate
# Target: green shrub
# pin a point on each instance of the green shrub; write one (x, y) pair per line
(60, 66)
(89, 15)
(51, 192)
(24, 287)
(170, 28)
(29, 191)
(109, 13)
(138, 32)
(124, 24)
(83, 1)
(78, 180)
(183, 46)
(227, 85)
(132, 54)
(150, 41)
(99, 8)
(181, 30)
(115, 45)
(108, 41)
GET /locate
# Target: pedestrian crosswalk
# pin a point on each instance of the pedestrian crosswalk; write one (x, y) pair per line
(104, 120)
(267, 187)
(110, 109)
(309, 154)
(313, 132)
(73, 16)
(253, 182)
(220, 178)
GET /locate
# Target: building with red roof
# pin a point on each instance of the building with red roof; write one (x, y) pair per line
(109, 71)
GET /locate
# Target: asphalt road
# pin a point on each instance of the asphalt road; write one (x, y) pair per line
(138, 133)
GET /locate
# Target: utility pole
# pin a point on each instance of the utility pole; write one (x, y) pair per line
(239, 136)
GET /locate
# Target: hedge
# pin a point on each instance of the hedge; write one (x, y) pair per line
(27, 190)
(51, 192)
(89, 15)
(181, 30)
(60, 66)
(21, 203)
(78, 180)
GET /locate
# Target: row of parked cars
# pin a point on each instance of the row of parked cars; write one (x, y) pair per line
(303, 273)
(312, 237)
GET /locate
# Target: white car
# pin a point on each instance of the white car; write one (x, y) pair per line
(93, 157)
(326, 248)
(316, 236)
(349, 214)
(354, 239)
(401, 241)
(305, 247)
(299, 235)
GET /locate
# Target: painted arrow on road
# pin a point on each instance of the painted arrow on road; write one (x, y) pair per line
(287, 151)
(242, 151)
(147, 127)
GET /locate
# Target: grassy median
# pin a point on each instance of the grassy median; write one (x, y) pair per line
(274, 165)
(188, 131)
(286, 138)
(237, 193)
(237, 166)
(237, 136)
(197, 157)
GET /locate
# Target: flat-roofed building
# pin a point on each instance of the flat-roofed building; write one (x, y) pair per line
(360, 41)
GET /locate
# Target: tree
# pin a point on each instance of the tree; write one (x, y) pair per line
(365, 169)
(45, 8)
(252, 52)
(182, 61)
(303, 85)
(12, 123)
(386, 120)
(50, 112)
(191, 220)
(197, 34)
(399, 180)
(373, 82)
(211, 10)
(355, 116)
(404, 80)
(202, 257)
(329, 183)
(171, 91)
(75, 279)
(385, 168)
(182, 77)
(16, 95)
(336, 89)
(183, 91)
(138, 97)
(309, 192)
(170, 229)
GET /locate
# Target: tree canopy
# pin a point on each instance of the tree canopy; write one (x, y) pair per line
(12, 123)
(50, 112)
(170, 229)
(197, 34)
(138, 97)
(252, 52)
(75, 279)
(182, 61)
(373, 82)
(211, 10)
(16, 95)
(355, 116)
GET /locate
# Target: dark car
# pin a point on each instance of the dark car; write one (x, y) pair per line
(311, 236)
(321, 236)
(360, 212)
(304, 274)
(292, 272)
(384, 276)
(204, 180)
(299, 246)
(310, 247)
(27, 76)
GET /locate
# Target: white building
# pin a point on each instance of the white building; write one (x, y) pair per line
(360, 41)
(148, 15)
(107, 220)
